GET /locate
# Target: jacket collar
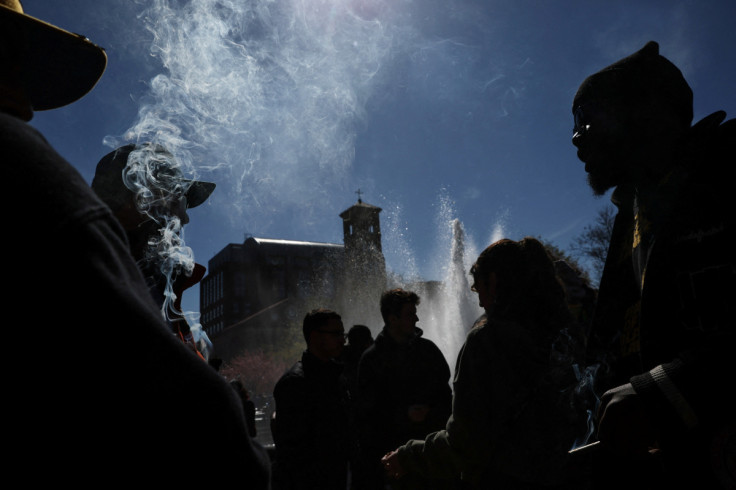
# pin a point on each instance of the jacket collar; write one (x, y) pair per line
(310, 362)
(385, 339)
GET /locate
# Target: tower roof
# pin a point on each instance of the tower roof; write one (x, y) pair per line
(363, 206)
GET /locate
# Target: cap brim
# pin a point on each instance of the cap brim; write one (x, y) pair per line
(60, 67)
(198, 192)
(107, 179)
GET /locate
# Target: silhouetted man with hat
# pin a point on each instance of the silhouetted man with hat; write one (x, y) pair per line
(104, 392)
(145, 188)
(664, 325)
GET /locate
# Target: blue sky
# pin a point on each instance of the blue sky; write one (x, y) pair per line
(435, 109)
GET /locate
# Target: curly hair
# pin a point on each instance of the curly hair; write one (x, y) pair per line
(527, 285)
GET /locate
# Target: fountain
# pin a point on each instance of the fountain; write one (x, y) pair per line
(271, 96)
(448, 308)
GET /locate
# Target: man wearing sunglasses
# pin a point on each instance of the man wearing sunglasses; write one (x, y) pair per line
(664, 326)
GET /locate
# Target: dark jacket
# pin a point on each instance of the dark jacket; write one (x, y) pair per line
(391, 378)
(113, 387)
(666, 313)
(504, 431)
(310, 429)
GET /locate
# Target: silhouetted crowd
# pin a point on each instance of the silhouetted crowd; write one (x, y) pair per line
(122, 392)
(380, 413)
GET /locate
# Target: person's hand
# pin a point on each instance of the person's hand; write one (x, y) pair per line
(418, 413)
(623, 424)
(392, 466)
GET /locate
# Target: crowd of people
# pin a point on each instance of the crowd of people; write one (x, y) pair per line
(126, 393)
(400, 425)
(659, 335)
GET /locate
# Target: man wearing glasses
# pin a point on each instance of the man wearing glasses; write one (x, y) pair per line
(310, 425)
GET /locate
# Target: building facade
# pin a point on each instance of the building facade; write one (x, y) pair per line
(254, 288)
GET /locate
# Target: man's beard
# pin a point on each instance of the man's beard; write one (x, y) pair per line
(607, 173)
(600, 184)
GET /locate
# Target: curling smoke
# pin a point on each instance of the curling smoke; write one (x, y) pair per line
(265, 97)
(153, 175)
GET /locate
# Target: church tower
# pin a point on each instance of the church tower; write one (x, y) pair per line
(361, 227)
(365, 265)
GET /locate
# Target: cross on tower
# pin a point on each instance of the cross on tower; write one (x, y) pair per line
(359, 193)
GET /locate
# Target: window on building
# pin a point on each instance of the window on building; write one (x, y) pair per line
(239, 286)
(279, 282)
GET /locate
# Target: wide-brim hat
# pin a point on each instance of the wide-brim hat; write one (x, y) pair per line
(108, 180)
(59, 67)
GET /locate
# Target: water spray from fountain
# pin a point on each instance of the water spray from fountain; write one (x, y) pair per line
(448, 306)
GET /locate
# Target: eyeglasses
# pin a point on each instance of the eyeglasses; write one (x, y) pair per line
(600, 112)
(580, 120)
(334, 333)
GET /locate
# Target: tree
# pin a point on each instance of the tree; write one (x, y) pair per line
(556, 253)
(260, 367)
(592, 243)
(257, 369)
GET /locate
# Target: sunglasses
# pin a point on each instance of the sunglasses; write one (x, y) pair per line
(581, 121)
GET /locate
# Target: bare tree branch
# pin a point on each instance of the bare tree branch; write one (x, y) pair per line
(593, 242)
